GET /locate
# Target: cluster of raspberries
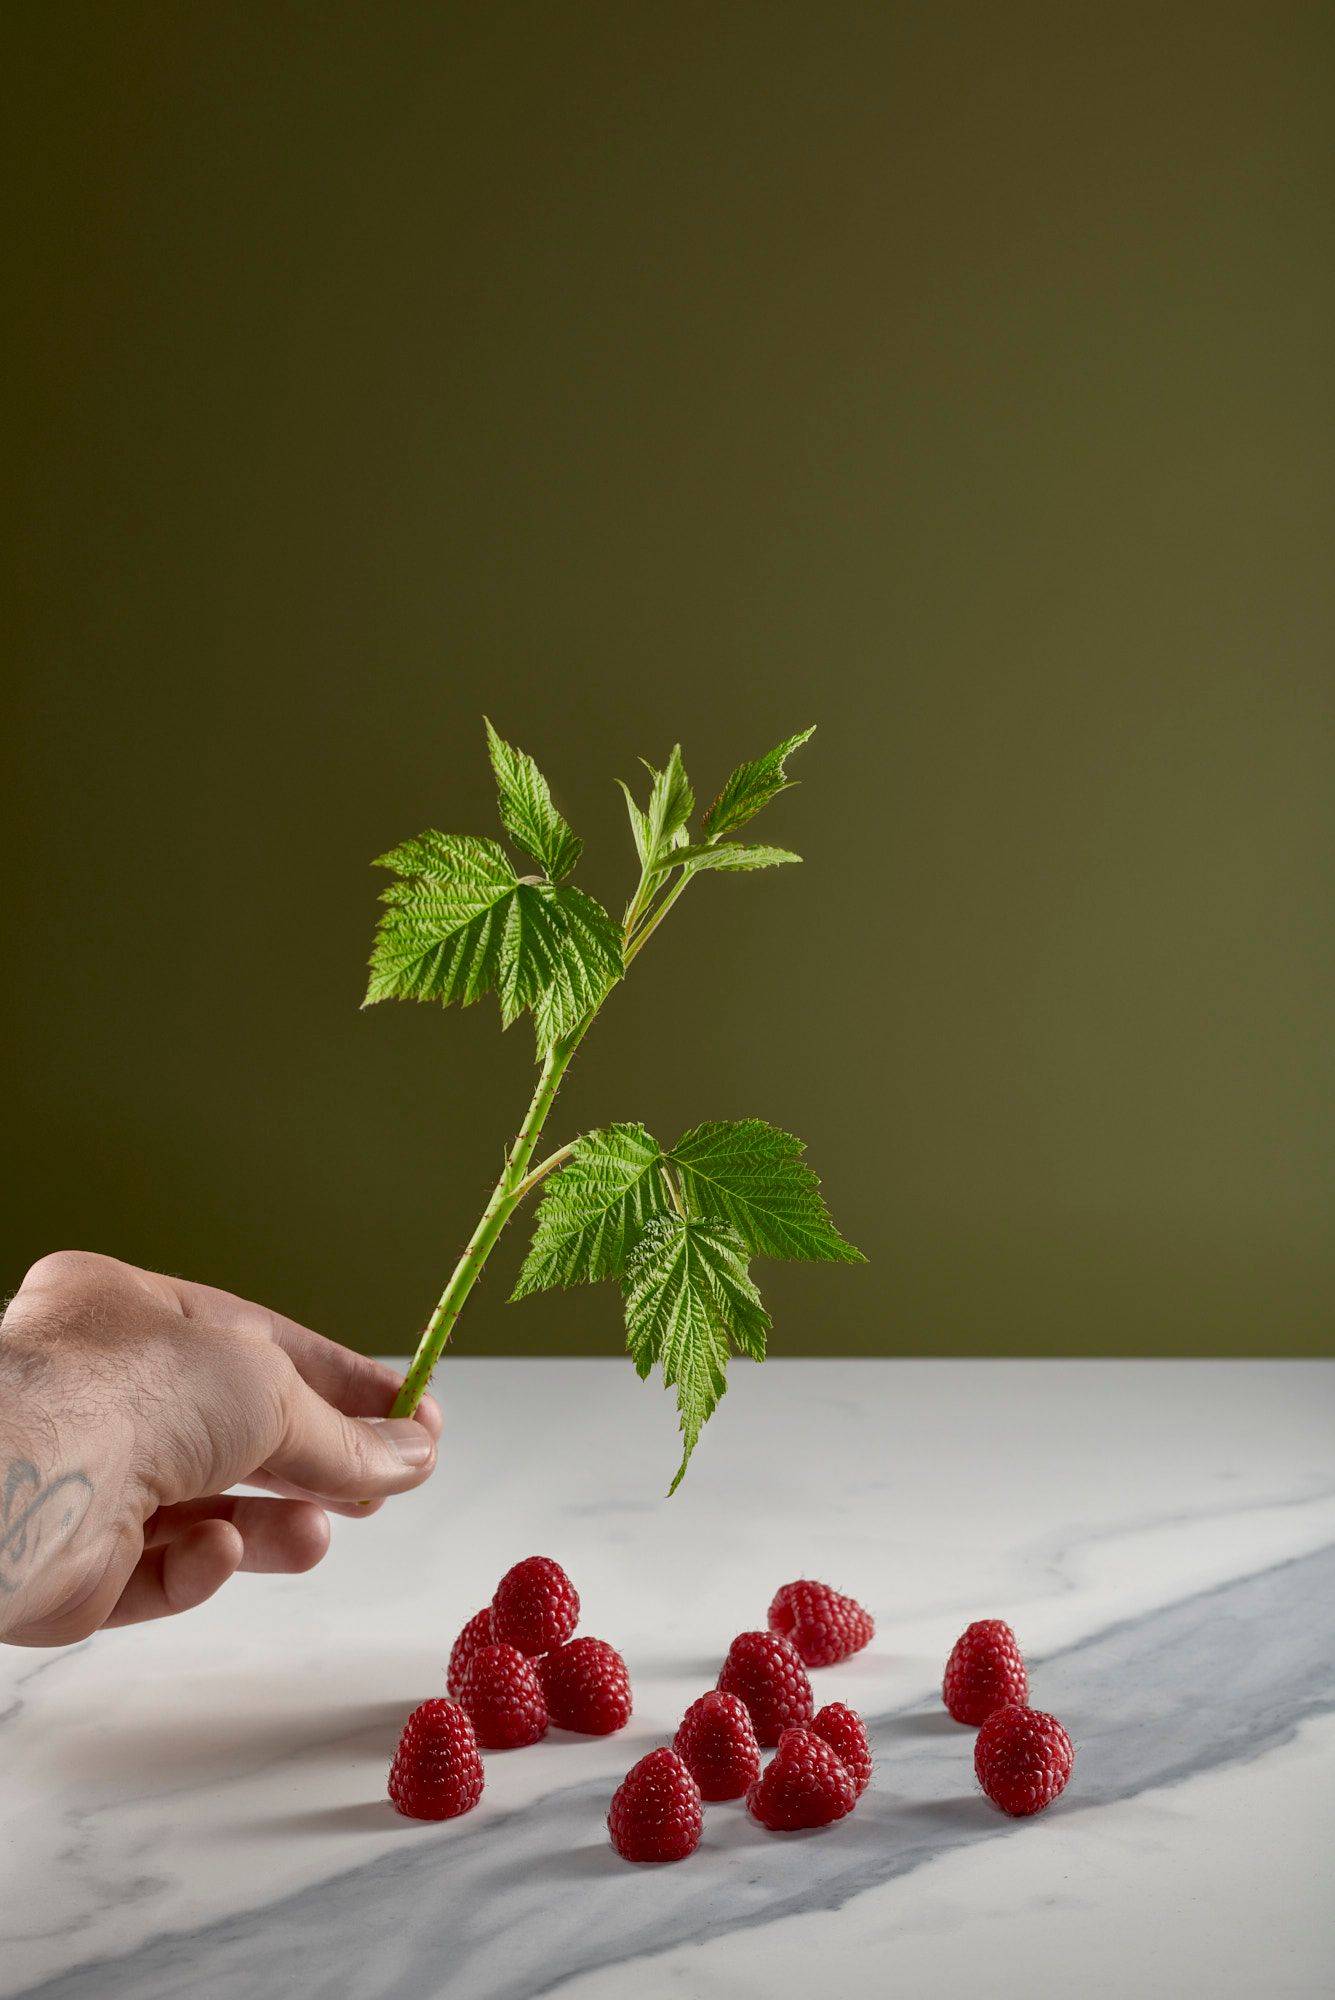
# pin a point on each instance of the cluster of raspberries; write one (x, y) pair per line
(1022, 1757)
(822, 1760)
(515, 1669)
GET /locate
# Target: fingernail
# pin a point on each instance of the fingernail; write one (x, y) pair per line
(409, 1440)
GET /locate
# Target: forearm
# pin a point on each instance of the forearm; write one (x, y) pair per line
(63, 1471)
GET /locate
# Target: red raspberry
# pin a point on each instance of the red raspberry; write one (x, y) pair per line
(717, 1744)
(824, 1626)
(655, 1813)
(846, 1733)
(985, 1671)
(477, 1632)
(587, 1687)
(436, 1773)
(804, 1784)
(536, 1606)
(503, 1699)
(1023, 1759)
(765, 1671)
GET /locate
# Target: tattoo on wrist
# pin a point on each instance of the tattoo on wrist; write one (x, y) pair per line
(38, 1517)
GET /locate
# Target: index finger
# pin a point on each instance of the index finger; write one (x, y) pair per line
(357, 1384)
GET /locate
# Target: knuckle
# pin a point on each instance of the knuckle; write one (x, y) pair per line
(275, 1370)
(276, 1383)
(61, 1270)
(365, 1453)
(253, 1326)
(67, 1297)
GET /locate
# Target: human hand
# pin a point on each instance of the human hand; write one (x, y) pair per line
(130, 1403)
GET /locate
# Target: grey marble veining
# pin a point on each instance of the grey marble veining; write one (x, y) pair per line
(1222, 1665)
(1145, 1701)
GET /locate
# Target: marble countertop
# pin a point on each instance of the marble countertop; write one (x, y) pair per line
(198, 1807)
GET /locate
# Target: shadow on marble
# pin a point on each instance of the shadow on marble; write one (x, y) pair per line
(374, 1727)
(362, 1816)
(730, 1827)
(965, 1813)
(927, 1722)
(184, 1751)
(635, 1742)
(704, 1667)
(594, 1859)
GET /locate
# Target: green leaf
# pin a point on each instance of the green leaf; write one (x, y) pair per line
(753, 1176)
(671, 803)
(661, 831)
(752, 786)
(594, 1210)
(460, 922)
(687, 1296)
(527, 812)
(559, 954)
(731, 854)
(439, 937)
(639, 823)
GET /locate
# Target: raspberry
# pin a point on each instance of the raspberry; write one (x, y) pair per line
(536, 1606)
(655, 1813)
(436, 1773)
(477, 1632)
(717, 1744)
(824, 1626)
(985, 1671)
(502, 1699)
(765, 1671)
(587, 1687)
(1023, 1759)
(846, 1733)
(804, 1784)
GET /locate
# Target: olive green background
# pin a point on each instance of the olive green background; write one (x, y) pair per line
(956, 377)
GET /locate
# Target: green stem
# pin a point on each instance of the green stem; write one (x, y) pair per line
(516, 1180)
(506, 1196)
(655, 918)
(545, 1167)
(635, 907)
(674, 1192)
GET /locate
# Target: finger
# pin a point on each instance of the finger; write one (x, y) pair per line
(279, 1536)
(357, 1384)
(180, 1574)
(351, 1510)
(429, 1413)
(347, 1458)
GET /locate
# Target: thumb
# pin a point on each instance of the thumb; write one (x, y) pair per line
(348, 1458)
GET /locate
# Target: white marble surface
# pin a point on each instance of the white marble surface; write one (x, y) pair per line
(198, 1807)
